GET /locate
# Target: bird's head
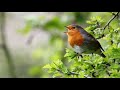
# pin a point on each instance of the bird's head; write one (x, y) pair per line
(72, 29)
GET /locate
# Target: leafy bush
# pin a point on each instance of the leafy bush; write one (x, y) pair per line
(66, 64)
(93, 66)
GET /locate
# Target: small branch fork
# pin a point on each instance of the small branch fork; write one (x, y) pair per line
(113, 17)
(68, 73)
(108, 23)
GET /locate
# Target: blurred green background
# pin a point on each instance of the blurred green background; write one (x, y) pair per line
(34, 38)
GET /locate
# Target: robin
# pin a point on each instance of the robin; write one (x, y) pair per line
(82, 41)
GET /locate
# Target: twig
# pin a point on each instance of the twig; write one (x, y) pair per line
(4, 46)
(100, 36)
(108, 23)
(72, 73)
(68, 73)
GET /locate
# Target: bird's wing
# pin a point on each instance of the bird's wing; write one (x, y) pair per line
(89, 38)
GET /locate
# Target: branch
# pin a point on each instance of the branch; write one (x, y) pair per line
(4, 46)
(100, 36)
(72, 73)
(108, 23)
(68, 73)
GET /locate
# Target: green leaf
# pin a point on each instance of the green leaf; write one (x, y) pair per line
(53, 65)
(48, 66)
(90, 22)
(57, 75)
(115, 66)
(82, 74)
(58, 62)
(115, 53)
(70, 54)
(64, 69)
(52, 70)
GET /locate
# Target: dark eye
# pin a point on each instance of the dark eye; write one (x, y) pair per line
(73, 27)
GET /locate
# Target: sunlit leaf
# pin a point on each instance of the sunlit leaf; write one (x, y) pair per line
(47, 66)
(82, 74)
(57, 75)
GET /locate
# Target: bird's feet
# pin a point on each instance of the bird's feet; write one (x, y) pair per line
(81, 56)
(77, 55)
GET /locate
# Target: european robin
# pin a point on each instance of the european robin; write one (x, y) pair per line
(82, 41)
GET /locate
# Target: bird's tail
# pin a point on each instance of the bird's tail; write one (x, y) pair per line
(102, 55)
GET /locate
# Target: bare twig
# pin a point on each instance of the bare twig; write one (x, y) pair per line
(68, 73)
(108, 23)
(4, 46)
(72, 73)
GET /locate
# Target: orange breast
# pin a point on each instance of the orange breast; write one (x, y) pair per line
(76, 39)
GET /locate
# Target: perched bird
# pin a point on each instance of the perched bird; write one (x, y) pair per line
(82, 41)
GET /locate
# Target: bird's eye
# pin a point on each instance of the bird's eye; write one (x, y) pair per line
(73, 27)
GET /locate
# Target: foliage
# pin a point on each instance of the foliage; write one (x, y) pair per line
(67, 64)
(53, 25)
(92, 66)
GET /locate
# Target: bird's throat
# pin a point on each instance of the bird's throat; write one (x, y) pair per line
(76, 39)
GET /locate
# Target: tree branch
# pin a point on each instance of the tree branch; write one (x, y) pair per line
(4, 46)
(108, 23)
(68, 73)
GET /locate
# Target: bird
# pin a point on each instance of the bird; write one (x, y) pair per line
(82, 41)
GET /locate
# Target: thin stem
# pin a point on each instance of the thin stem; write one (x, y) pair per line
(108, 23)
(113, 17)
(4, 46)
(68, 73)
